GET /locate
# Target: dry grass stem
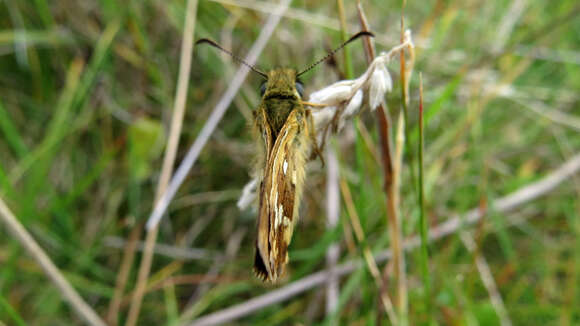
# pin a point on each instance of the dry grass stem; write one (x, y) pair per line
(292, 13)
(332, 218)
(123, 275)
(383, 122)
(232, 248)
(568, 120)
(395, 222)
(501, 205)
(174, 252)
(507, 24)
(169, 158)
(368, 140)
(205, 197)
(80, 307)
(548, 54)
(311, 19)
(216, 116)
(333, 193)
(389, 173)
(486, 278)
(368, 256)
(408, 67)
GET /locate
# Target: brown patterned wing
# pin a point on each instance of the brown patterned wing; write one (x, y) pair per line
(280, 192)
(261, 269)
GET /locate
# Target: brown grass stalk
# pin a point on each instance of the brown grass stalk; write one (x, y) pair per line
(486, 277)
(395, 224)
(123, 275)
(390, 186)
(169, 158)
(383, 118)
(367, 254)
(69, 294)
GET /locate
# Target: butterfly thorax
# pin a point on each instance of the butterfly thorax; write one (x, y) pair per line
(280, 97)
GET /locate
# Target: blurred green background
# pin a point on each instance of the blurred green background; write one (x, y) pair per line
(86, 93)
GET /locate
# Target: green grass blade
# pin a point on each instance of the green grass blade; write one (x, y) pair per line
(6, 310)
(424, 227)
(11, 133)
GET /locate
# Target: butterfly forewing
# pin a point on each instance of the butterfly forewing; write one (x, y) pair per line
(280, 187)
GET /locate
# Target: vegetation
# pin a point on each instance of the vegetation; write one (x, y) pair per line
(87, 91)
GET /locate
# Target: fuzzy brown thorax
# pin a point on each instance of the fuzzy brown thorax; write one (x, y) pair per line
(280, 97)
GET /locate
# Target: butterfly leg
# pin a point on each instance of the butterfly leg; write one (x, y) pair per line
(317, 151)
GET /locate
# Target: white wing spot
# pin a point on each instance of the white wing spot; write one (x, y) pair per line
(285, 167)
(279, 216)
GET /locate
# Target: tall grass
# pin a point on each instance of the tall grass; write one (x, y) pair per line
(86, 92)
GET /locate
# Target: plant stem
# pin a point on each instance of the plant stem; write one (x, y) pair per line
(422, 222)
(344, 37)
(169, 158)
(396, 225)
(77, 303)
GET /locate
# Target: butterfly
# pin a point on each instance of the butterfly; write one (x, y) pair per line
(286, 137)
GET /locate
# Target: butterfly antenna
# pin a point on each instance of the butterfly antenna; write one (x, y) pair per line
(331, 53)
(235, 57)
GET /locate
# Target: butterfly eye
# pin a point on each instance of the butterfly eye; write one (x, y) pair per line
(300, 88)
(263, 89)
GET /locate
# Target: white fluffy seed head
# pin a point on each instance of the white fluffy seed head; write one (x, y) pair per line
(379, 84)
(333, 94)
(322, 117)
(354, 105)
